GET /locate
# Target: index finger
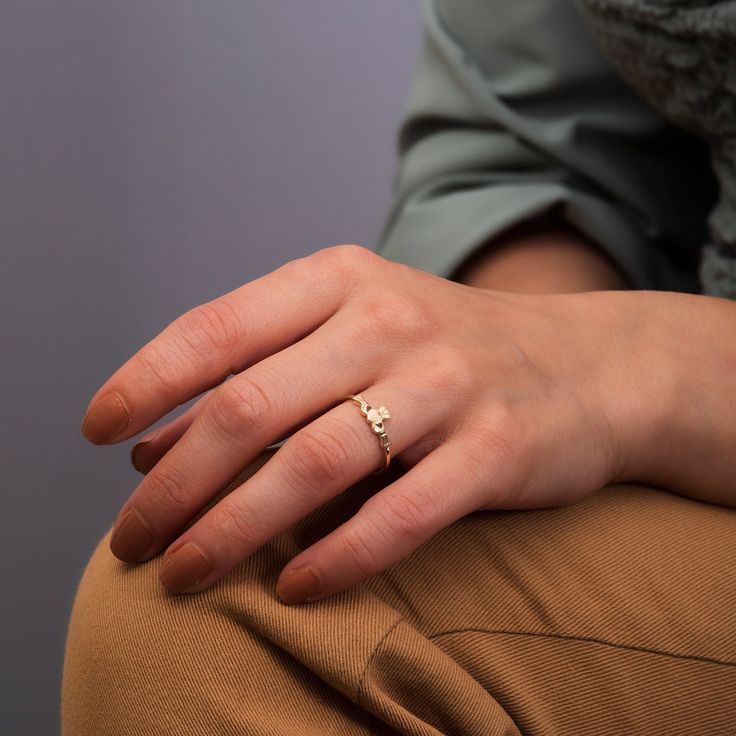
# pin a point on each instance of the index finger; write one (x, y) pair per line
(205, 345)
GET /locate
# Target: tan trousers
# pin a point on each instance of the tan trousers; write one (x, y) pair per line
(613, 616)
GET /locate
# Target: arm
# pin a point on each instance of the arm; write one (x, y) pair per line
(558, 178)
(682, 435)
(541, 259)
(515, 115)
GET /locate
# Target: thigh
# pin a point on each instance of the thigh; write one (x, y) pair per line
(609, 616)
(230, 660)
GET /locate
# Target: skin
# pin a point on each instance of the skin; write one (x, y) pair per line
(526, 259)
(531, 378)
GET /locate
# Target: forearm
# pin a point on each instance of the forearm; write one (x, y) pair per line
(541, 259)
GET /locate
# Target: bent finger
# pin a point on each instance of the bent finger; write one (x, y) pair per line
(316, 464)
(243, 416)
(388, 528)
(210, 342)
(150, 449)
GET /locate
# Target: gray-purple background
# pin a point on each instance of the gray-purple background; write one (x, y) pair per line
(153, 155)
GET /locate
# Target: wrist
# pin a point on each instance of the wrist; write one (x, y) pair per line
(682, 434)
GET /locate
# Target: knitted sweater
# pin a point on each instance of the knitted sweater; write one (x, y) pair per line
(681, 56)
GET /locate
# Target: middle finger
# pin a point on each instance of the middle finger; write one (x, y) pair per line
(317, 463)
(244, 415)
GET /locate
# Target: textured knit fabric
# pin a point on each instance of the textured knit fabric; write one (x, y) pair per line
(681, 55)
(611, 616)
(608, 114)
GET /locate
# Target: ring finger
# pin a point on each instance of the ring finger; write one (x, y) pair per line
(240, 418)
(315, 464)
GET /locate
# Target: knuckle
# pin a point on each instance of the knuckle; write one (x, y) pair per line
(235, 524)
(345, 262)
(398, 315)
(167, 488)
(319, 456)
(210, 327)
(503, 444)
(501, 432)
(454, 370)
(402, 514)
(241, 407)
(357, 551)
(160, 363)
(346, 255)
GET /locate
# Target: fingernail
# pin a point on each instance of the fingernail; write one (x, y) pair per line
(131, 538)
(106, 418)
(142, 456)
(297, 585)
(138, 458)
(184, 569)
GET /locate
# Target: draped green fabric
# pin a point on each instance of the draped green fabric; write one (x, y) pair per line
(516, 113)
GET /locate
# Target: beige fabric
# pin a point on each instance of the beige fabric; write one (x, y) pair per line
(612, 616)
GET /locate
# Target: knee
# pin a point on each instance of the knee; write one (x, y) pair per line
(129, 644)
(127, 632)
(106, 633)
(142, 662)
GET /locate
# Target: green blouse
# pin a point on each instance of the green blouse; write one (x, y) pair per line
(521, 109)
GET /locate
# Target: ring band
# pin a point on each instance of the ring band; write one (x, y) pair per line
(375, 418)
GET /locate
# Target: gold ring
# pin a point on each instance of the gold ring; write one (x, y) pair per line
(376, 417)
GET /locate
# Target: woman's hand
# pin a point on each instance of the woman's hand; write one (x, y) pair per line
(497, 401)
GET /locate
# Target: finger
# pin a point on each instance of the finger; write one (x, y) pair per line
(243, 416)
(150, 449)
(202, 347)
(317, 463)
(388, 528)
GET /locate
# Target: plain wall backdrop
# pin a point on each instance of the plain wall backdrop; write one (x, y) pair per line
(153, 155)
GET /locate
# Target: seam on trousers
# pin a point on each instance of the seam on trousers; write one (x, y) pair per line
(359, 689)
(593, 640)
